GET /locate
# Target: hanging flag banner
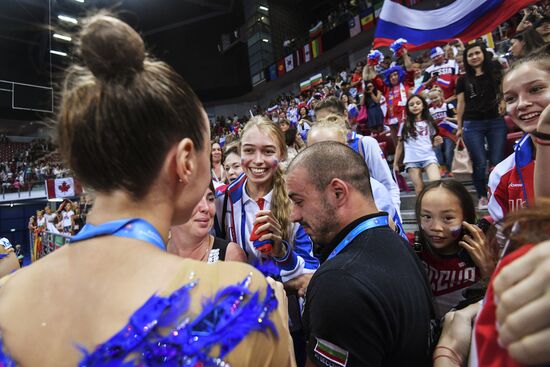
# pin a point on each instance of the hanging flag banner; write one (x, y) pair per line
(316, 30)
(273, 72)
(367, 19)
(289, 63)
(280, 67)
(305, 85)
(307, 53)
(316, 79)
(311, 82)
(463, 19)
(354, 26)
(298, 57)
(316, 47)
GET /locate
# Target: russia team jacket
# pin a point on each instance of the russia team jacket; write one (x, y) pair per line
(299, 258)
(511, 184)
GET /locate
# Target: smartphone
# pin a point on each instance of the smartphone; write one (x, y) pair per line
(483, 224)
(463, 253)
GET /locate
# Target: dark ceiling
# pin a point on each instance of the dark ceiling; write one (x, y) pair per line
(184, 33)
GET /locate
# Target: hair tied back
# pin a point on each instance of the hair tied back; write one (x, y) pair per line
(111, 48)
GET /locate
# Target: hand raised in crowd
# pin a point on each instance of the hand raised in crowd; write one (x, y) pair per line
(522, 296)
(273, 227)
(454, 342)
(478, 248)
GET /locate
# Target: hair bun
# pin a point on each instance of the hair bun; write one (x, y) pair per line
(110, 47)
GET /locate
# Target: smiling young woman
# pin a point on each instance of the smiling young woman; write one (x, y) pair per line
(257, 209)
(526, 89)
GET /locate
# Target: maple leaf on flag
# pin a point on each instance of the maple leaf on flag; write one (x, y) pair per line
(64, 187)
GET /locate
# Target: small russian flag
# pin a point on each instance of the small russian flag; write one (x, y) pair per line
(447, 129)
(443, 82)
(352, 111)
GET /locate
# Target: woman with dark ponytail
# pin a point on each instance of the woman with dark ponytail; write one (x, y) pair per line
(132, 130)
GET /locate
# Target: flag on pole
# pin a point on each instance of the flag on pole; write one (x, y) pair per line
(463, 19)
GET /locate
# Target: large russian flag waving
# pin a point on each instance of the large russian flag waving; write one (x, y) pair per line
(464, 19)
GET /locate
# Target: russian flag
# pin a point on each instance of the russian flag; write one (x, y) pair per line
(443, 82)
(352, 111)
(447, 129)
(464, 19)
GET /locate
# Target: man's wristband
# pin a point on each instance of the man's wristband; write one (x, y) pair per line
(540, 135)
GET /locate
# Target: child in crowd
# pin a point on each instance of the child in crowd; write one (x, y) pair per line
(453, 249)
(417, 137)
(443, 114)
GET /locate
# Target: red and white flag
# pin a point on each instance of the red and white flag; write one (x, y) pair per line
(62, 188)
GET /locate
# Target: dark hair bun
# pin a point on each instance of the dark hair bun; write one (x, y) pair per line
(111, 48)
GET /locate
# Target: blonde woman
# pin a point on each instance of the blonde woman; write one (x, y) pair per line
(257, 208)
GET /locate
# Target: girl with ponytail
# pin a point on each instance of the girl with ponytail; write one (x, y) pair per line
(257, 208)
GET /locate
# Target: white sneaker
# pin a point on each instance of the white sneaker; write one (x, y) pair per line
(482, 204)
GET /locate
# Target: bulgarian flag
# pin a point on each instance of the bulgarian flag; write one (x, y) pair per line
(325, 350)
(62, 188)
(305, 85)
(316, 79)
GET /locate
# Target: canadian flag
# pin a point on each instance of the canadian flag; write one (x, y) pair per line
(62, 188)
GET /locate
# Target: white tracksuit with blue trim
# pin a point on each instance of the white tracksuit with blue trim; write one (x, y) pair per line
(299, 259)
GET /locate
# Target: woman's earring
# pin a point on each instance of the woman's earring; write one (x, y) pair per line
(180, 179)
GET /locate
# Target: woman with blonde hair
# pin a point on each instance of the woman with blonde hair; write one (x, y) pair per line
(255, 210)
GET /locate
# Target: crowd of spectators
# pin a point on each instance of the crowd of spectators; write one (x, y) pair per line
(372, 294)
(29, 163)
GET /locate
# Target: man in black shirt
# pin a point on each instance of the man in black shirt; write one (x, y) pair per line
(369, 303)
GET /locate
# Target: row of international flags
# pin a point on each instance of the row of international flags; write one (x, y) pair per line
(314, 48)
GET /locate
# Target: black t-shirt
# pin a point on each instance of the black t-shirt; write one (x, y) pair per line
(480, 97)
(370, 305)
